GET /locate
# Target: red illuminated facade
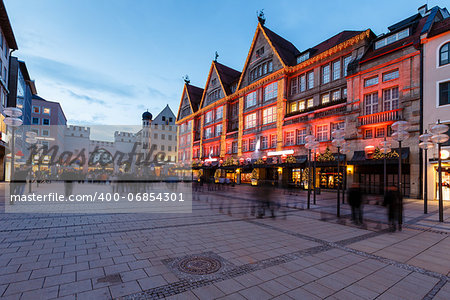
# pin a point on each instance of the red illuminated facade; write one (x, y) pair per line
(353, 81)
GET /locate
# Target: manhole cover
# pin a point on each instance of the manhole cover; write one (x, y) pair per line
(199, 265)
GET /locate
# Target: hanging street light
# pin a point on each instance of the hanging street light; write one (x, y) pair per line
(439, 137)
(338, 141)
(425, 145)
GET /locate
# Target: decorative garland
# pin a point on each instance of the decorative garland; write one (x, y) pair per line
(259, 162)
(291, 159)
(229, 162)
(326, 156)
(380, 155)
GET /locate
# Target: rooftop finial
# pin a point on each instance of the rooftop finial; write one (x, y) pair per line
(261, 17)
(216, 56)
(186, 79)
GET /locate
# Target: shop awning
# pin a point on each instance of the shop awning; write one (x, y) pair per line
(359, 158)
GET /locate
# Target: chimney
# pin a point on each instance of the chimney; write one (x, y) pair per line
(423, 10)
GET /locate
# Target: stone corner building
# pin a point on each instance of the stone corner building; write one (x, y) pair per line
(241, 125)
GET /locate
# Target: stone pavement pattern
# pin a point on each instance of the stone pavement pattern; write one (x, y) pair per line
(301, 254)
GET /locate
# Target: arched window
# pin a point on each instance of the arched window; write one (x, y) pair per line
(444, 54)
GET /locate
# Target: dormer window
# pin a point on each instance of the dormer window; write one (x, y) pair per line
(392, 38)
(260, 52)
(303, 57)
(214, 95)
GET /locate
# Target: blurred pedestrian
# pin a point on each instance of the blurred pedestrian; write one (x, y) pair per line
(392, 202)
(355, 199)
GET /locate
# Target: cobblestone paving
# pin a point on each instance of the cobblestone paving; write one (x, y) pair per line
(301, 254)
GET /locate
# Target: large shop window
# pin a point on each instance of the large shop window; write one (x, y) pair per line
(444, 93)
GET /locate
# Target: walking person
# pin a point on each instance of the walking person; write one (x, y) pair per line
(392, 202)
(355, 199)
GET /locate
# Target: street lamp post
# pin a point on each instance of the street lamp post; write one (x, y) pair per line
(311, 145)
(385, 149)
(12, 120)
(338, 142)
(30, 139)
(400, 135)
(425, 144)
(439, 137)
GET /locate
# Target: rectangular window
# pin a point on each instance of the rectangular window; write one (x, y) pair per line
(208, 132)
(163, 136)
(310, 80)
(229, 149)
(252, 144)
(336, 69)
(380, 132)
(325, 74)
(337, 125)
(294, 85)
(371, 81)
(303, 83)
(269, 115)
(371, 103)
(301, 135)
(45, 132)
(270, 91)
(209, 117)
(218, 129)
(390, 99)
(244, 145)
(301, 105)
(347, 60)
(336, 95)
(392, 38)
(46, 111)
(293, 107)
(273, 141)
(322, 133)
(289, 138)
(368, 134)
(310, 103)
(169, 148)
(444, 93)
(170, 136)
(250, 99)
(162, 147)
(219, 113)
(344, 93)
(234, 147)
(36, 109)
(390, 75)
(250, 121)
(45, 121)
(325, 98)
(155, 136)
(264, 142)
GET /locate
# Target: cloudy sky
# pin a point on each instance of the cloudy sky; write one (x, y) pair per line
(107, 61)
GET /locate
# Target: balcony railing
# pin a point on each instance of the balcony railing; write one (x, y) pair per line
(381, 117)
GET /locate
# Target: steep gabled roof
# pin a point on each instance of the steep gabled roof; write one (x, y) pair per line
(285, 49)
(195, 96)
(439, 27)
(6, 27)
(333, 41)
(412, 39)
(227, 76)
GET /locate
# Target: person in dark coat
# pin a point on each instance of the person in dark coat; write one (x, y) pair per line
(392, 202)
(355, 200)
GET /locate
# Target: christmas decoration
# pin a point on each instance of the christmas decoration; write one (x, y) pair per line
(326, 156)
(377, 154)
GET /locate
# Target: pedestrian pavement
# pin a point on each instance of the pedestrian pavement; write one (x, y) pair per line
(222, 251)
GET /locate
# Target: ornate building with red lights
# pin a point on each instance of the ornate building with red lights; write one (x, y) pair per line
(251, 126)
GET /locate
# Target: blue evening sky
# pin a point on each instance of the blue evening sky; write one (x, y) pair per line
(107, 61)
